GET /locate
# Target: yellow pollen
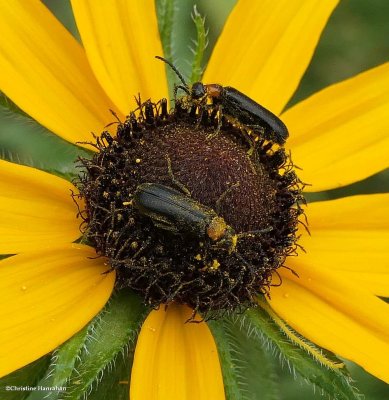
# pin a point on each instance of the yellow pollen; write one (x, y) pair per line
(234, 242)
(215, 264)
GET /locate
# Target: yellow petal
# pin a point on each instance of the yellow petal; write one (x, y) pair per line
(36, 208)
(350, 236)
(266, 46)
(340, 135)
(121, 39)
(361, 256)
(45, 72)
(175, 360)
(335, 314)
(45, 298)
(354, 212)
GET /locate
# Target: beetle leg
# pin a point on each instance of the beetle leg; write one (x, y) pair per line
(176, 182)
(219, 115)
(200, 116)
(224, 194)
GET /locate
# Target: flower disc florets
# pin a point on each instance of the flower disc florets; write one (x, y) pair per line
(211, 165)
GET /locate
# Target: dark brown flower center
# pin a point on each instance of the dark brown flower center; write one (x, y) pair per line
(214, 169)
(211, 168)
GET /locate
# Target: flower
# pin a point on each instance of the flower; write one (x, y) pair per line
(69, 89)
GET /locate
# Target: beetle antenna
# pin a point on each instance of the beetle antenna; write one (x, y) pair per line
(185, 87)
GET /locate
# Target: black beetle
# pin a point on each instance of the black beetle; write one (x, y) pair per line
(178, 213)
(237, 105)
(244, 109)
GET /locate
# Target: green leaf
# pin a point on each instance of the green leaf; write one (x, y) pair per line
(96, 362)
(112, 335)
(25, 141)
(200, 44)
(23, 378)
(61, 367)
(248, 370)
(316, 365)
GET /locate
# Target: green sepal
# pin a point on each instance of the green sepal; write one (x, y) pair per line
(27, 376)
(200, 44)
(25, 141)
(316, 365)
(248, 370)
(96, 362)
(61, 367)
(115, 384)
(165, 15)
(7, 104)
(168, 13)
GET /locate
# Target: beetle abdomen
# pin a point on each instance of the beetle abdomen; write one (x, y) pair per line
(249, 112)
(168, 206)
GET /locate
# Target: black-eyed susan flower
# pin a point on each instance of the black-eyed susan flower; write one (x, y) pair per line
(52, 285)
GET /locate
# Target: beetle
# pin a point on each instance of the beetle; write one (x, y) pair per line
(178, 213)
(244, 109)
(237, 105)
